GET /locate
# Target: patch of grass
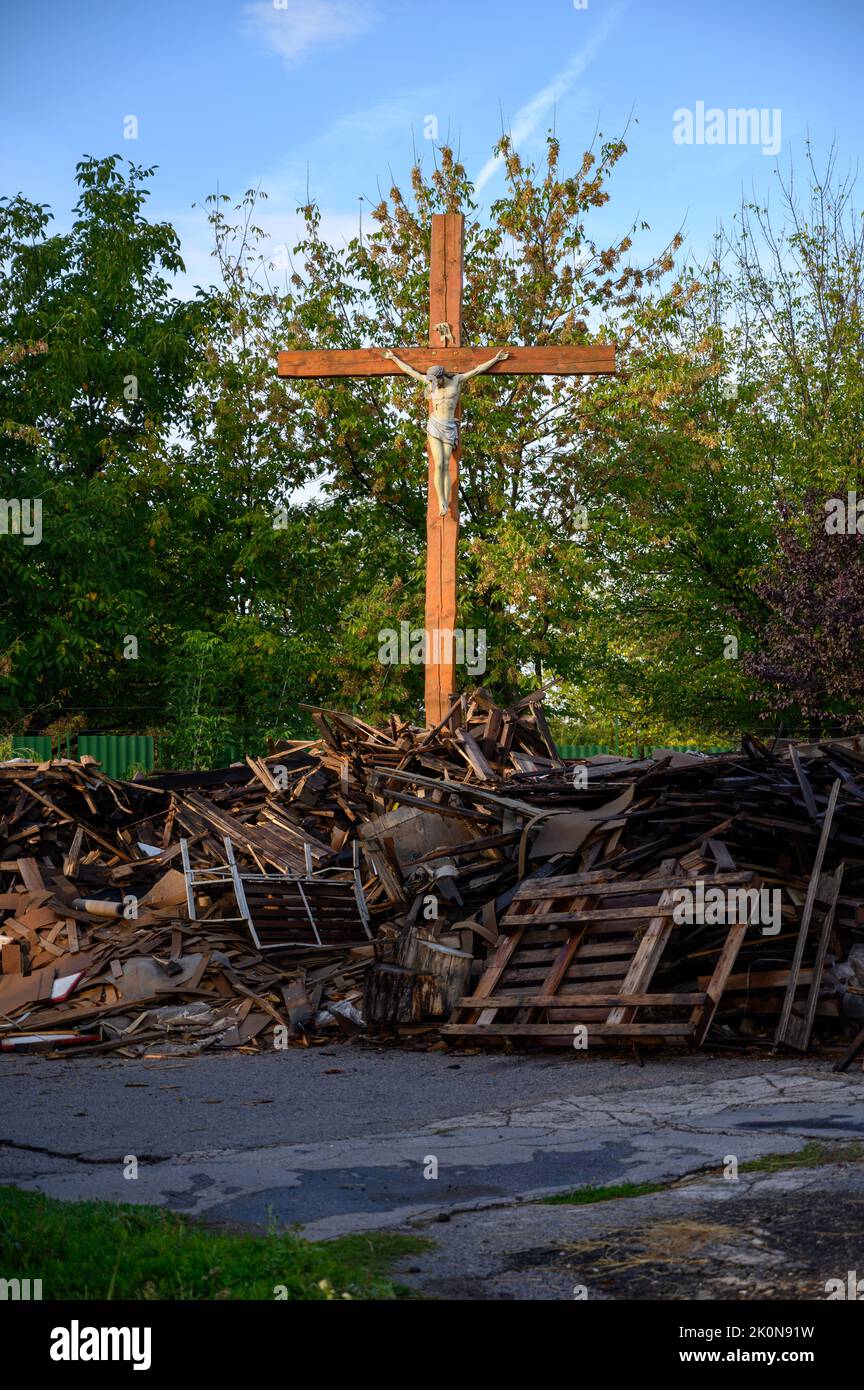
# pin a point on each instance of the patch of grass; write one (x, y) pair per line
(813, 1155)
(8, 750)
(583, 1196)
(95, 1250)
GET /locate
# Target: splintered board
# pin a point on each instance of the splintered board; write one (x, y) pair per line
(584, 949)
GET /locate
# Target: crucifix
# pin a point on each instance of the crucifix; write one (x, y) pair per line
(446, 365)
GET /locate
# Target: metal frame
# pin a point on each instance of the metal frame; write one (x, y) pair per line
(229, 874)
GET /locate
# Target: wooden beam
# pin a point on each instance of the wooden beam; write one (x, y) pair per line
(800, 1025)
(649, 950)
(442, 532)
(520, 999)
(524, 361)
(809, 904)
(851, 1053)
(565, 1030)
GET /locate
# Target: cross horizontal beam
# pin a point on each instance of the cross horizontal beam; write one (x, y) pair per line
(523, 361)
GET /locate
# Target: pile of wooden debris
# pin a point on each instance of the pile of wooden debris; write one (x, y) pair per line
(463, 881)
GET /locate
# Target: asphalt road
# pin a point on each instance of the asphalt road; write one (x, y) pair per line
(97, 1108)
(342, 1139)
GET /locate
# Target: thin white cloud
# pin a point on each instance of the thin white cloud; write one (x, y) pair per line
(325, 167)
(529, 116)
(294, 28)
(398, 113)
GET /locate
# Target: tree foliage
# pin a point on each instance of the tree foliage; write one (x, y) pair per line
(809, 657)
(96, 355)
(625, 536)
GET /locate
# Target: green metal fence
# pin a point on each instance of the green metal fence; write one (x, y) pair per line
(118, 754)
(40, 744)
(629, 750)
(588, 750)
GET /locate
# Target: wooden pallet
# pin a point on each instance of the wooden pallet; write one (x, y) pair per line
(583, 950)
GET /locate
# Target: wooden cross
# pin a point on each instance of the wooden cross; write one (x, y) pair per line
(445, 347)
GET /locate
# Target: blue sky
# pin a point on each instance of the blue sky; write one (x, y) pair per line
(340, 90)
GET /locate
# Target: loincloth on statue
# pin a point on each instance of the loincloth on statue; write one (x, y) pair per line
(446, 430)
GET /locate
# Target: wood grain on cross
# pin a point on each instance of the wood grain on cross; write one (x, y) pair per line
(445, 347)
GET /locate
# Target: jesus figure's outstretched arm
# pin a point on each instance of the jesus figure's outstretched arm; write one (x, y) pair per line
(486, 366)
(403, 366)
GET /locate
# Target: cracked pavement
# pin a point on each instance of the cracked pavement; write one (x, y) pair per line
(765, 1236)
(345, 1139)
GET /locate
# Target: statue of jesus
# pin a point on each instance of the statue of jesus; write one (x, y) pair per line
(443, 389)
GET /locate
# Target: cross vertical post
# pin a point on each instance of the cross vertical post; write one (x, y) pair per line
(442, 532)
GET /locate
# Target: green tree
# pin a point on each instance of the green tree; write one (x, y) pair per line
(95, 356)
(773, 329)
